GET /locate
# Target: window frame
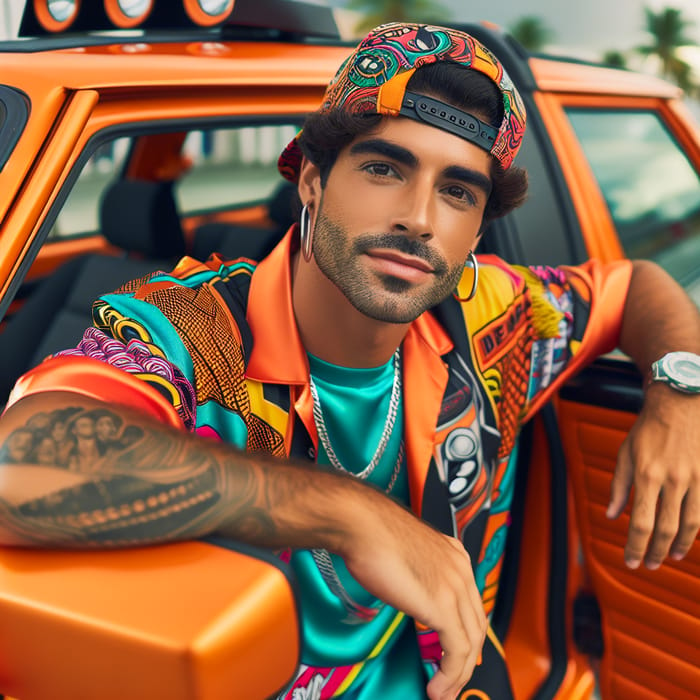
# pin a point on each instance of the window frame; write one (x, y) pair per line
(102, 136)
(16, 107)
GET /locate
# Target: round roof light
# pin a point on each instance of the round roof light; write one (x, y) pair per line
(127, 14)
(56, 15)
(61, 10)
(207, 13)
(214, 8)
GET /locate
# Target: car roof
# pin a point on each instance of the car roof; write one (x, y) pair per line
(209, 60)
(144, 63)
(568, 75)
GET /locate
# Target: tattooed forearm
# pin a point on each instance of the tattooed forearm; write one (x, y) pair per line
(123, 510)
(72, 438)
(91, 476)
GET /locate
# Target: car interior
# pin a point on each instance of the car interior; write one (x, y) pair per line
(144, 229)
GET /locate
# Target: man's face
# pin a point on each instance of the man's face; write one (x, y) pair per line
(59, 431)
(105, 427)
(400, 212)
(46, 451)
(84, 427)
(19, 444)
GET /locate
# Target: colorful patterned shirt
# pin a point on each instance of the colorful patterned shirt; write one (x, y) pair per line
(203, 348)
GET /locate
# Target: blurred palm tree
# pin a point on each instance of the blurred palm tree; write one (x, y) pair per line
(378, 12)
(531, 32)
(614, 59)
(668, 32)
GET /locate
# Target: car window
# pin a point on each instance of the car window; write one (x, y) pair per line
(650, 186)
(231, 166)
(80, 214)
(228, 167)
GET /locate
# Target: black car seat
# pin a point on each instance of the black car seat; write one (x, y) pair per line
(139, 217)
(236, 241)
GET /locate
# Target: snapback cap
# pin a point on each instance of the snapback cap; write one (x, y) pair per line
(373, 79)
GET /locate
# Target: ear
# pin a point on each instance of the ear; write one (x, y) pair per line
(477, 239)
(309, 184)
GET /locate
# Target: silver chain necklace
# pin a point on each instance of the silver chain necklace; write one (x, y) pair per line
(356, 612)
(386, 432)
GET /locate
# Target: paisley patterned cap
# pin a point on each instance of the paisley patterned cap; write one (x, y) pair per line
(374, 77)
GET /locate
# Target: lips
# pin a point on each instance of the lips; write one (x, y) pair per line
(394, 256)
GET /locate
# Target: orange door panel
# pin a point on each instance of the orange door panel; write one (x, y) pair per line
(650, 619)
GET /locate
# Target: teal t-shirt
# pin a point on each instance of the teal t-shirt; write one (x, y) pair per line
(355, 404)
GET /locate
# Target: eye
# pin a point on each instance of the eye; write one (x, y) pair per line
(380, 169)
(460, 193)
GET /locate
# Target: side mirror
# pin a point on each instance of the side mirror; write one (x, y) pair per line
(192, 620)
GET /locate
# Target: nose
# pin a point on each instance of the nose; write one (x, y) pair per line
(413, 214)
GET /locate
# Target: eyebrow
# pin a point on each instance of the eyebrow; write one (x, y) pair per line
(385, 148)
(403, 155)
(469, 177)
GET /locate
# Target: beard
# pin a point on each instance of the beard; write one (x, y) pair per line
(381, 297)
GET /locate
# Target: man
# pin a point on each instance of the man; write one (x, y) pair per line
(346, 346)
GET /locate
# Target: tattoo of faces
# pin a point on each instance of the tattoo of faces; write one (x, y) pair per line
(72, 438)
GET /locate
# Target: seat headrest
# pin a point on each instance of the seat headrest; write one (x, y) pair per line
(141, 216)
(284, 205)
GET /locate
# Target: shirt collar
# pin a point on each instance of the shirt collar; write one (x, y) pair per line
(278, 356)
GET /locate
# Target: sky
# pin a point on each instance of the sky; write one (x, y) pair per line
(583, 28)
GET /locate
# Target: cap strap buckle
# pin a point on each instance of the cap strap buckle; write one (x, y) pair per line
(447, 118)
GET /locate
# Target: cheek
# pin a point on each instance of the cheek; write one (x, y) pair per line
(459, 235)
(358, 212)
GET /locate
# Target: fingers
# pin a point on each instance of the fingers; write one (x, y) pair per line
(690, 524)
(664, 530)
(462, 638)
(665, 518)
(622, 482)
(462, 649)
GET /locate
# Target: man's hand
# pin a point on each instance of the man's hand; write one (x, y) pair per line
(427, 575)
(661, 459)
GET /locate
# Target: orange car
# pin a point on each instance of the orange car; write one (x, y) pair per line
(122, 150)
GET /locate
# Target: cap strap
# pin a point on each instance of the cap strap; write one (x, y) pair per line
(391, 93)
(447, 118)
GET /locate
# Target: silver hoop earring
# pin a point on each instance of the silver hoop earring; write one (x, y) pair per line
(470, 262)
(306, 234)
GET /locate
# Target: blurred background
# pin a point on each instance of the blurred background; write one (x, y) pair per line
(652, 36)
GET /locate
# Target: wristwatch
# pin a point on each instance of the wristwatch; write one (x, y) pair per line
(680, 370)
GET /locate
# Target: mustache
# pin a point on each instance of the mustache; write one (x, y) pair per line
(402, 244)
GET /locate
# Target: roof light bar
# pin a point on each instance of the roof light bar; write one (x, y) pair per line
(290, 17)
(56, 15)
(208, 13)
(127, 14)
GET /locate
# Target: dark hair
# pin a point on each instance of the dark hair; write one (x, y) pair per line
(325, 134)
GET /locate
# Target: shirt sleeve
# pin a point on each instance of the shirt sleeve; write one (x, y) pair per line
(135, 354)
(576, 315)
(130, 371)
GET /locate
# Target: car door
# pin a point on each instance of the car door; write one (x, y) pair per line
(637, 176)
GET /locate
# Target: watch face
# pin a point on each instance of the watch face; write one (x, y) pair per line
(683, 368)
